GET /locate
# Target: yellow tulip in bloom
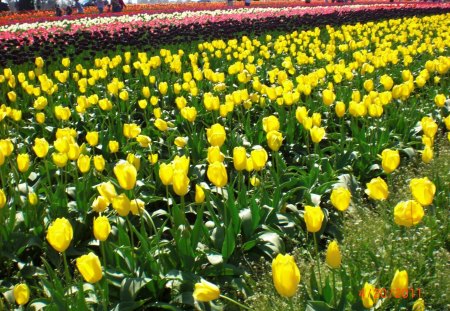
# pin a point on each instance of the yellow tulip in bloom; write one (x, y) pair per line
(137, 206)
(390, 159)
(199, 194)
(121, 204)
(102, 228)
(439, 100)
(408, 213)
(317, 134)
(377, 189)
(333, 257)
(100, 204)
(23, 162)
(270, 123)
(131, 130)
(99, 163)
(419, 305)
(239, 158)
(285, 275)
(259, 159)
(423, 190)
(2, 199)
(429, 126)
(316, 119)
(313, 218)
(180, 141)
(92, 138)
(65, 62)
(427, 154)
(21, 294)
(328, 97)
(254, 181)
(387, 82)
(368, 85)
(447, 122)
(39, 62)
(126, 174)
(399, 284)
(189, 113)
(90, 267)
(163, 87)
(274, 140)
(60, 234)
(161, 125)
(166, 173)
(33, 198)
(217, 174)
(214, 155)
(40, 147)
(340, 198)
(62, 113)
(144, 140)
(107, 191)
(40, 117)
(113, 146)
(6, 147)
(368, 296)
(301, 114)
(60, 159)
(340, 109)
(84, 163)
(216, 135)
(180, 183)
(205, 291)
(153, 158)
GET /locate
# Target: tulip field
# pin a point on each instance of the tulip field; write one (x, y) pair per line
(205, 157)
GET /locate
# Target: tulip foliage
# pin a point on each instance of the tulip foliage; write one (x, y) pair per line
(141, 178)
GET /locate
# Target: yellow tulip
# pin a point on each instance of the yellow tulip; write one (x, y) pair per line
(214, 155)
(12, 96)
(21, 293)
(429, 126)
(317, 134)
(254, 181)
(2, 199)
(419, 305)
(313, 218)
(99, 163)
(439, 100)
(427, 154)
(423, 190)
(102, 228)
(40, 117)
(113, 146)
(399, 284)
(390, 160)
(90, 267)
(199, 194)
(33, 198)
(270, 123)
(126, 174)
(60, 159)
(259, 158)
(23, 162)
(100, 204)
(180, 142)
(84, 163)
(163, 87)
(107, 190)
(121, 204)
(39, 62)
(340, 198)
(180, 183)
(131, 130)
(328, 97)
(166, 173)
(408, 213)
(316, 119)
(447, 122)
(274, 140)
(153, 158)
(161, 125)
(377, 189)
(62, 113)
(239, 158)
(301, 114)
(333, 256)
(205, 291)
(216, 135)
(368, 296)
(60, 234)
(144, 140)
(340, 109)
(189, 113)
(40, 147)
(286, 275)
(368, 85)
(92, 138)
(137, 206)
(387, 82)
(217, 174)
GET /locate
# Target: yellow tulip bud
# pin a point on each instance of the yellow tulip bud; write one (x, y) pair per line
(274, 140)
(214, 155)
(126, 174)
(102, 228)
(340, 198)
(377, 189)
(161, 125)
(423, 190)
(153, 158)
(254, 181)
(90, 267)
(121, 204)
(419, 305)
(92, 138)
(131, 130)
(113, 146)
(180, 142)
(2, 199)
(205, 291)
(39, 62)
(189, 113)
(32, 198)
(100, 204)
(333, 256)
(390, 159)
(84, 163)
(163, 87)
(217, 174)
(137, 206)
(166, 173)
(270, 123)
(199, 194)
(259, 158)
(399, 284)
(408, 213)
(439, 100)
(144, 140)
(60, 159)
(21, 294)
(23, 162)
(328, 97)
(60, 234)
(286, 275)
(313, 218)
(99, 163)
(239, 158)
(368, 85)
(40, 117)
(368, 296)
(40, 147)
(107, 190)
(180, 183)
(216, 135)
(427, 154)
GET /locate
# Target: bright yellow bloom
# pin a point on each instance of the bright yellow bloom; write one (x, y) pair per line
(199, 194)
(377, 189)
(84, 163)
(90, 267)
(313, 218)
(23, 162)
(121, 204)
(144, 140)
(216, 135)
(427, 154)
(340, 198)
(180, 183)
(419, 305)
(40, 147)
(180, 141)
(408, 213)
(33, 198)
(21, 294)
(60, 234)
(107, 190)
(390, 160)
(439, 100)
(214, 155)
(126, 174)
(99, 163)
(317, 134)
(270, 123)
(166, 173)
(333, 257)
(113, 146)
(92, 138)
(102, 228)
(328, 97)
(399, 284)
(274, 140)
(259, 158)
(161, 125)
(286, 275)
(100, 204)
(137, 206)
(131, 130)
(340, 109)
(423, 190)
(368, 295)
(2, 199)
(217, 174)
(239, 158)
(60, 159)
(205, 291)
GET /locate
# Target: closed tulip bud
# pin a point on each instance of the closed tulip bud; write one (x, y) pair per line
(340, 109)
(214, 155)
(199, 194)
(259, 158)
(92, 138)
(316, 119)
(239, 158)
(113, 146)
(408, 213)
(399, 284)
(12, 96)
(216, 135)
(90, 267)
(60, 159)
(166, 173)
(60, 234)
(100, 204)
(205, 291)
(377, 189)
(153, 158)
(32, 198)
(6, 147)
(180, 183)
(419, 305)
(180, 142)
(163, 87)
(99, 163)
(131, 130)
(333, 257)
(21, 294)
(390, 159)
(368, 85)
(40, 147)
(146, 91)
(328, 97)
(340, 198)
(447, 122)
(439, 100)
(387, 82)
(286, 275)
(181, 163)
(62, 113)
(2, 199)
(126, 175)
(161, 125)
(107, 190)
(270, 123)
(84, 163)
(23, 162)
(102, 228)
(39, 62)
(429, 126)
(274, 140)
(137, 206)
(144, 140)
(313, 218)
(254, 181)
(189, 113)
(40, 117)
(427, 154)
(423, 190)
(317, 134)
(217, 174)
(122, 204)
(368, 296)
(301, 114)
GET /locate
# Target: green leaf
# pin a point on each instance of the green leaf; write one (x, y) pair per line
(314, 287)
(327, 292)
(130, 288)
(317, 306)
(229, 243)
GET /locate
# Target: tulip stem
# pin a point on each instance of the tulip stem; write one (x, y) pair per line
(334, 288)
(105, 290)
(66, 268)
(318, 260)
(235, 302)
